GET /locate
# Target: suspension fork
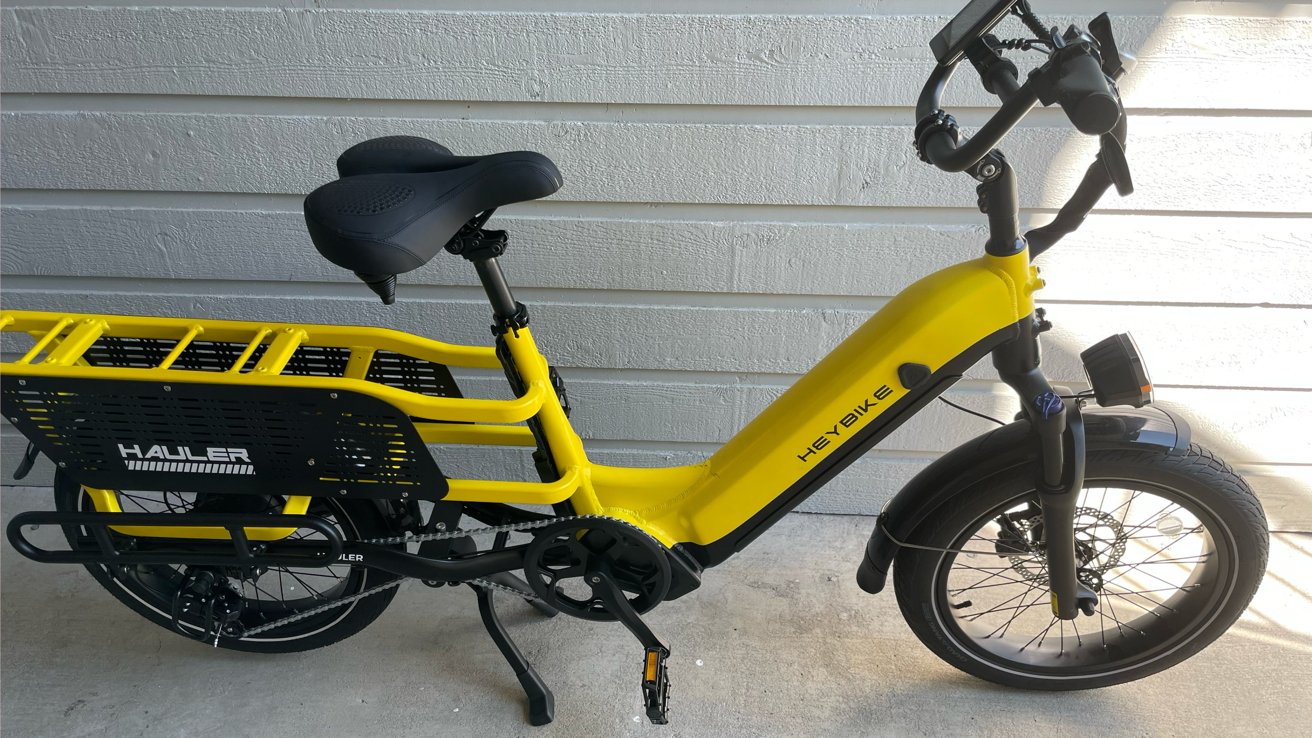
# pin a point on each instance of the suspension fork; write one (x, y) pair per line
(1059, 431)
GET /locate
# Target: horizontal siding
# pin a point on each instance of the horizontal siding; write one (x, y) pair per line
(740, 194)
(840, 60)
(657, 162)
(555, 244)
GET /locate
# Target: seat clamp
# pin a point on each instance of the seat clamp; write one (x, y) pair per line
(476, 244)
(511, 322)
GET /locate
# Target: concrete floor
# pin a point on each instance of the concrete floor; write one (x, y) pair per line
(777, 642)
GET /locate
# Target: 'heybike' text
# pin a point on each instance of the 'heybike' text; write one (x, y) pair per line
(849, 419)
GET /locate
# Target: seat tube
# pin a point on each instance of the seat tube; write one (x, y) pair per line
(562, 443)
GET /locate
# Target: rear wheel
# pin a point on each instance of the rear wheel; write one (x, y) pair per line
(1175, 547)
(265, 594)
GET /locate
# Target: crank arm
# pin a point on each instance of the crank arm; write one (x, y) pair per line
(655, 678)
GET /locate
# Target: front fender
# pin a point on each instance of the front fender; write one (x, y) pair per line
(997, 452)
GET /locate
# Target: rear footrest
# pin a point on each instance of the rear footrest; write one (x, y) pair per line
(102, 547)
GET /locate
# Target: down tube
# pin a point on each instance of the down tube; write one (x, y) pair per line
(904, 356)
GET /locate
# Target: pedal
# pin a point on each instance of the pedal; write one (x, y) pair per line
(655, 678)
(656, 685)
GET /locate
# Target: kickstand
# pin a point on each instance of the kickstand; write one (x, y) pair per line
(506, 579)
(541, 703)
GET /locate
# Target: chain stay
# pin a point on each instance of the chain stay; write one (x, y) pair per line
(420, 538)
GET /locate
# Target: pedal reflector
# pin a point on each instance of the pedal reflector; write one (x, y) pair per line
(653, 664)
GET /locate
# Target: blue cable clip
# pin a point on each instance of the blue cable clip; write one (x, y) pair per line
(1048, 404)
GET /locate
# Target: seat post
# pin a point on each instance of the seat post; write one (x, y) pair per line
(481, 248)
(504, 307)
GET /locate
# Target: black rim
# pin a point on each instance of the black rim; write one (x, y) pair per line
(1161, 562)
(267, 594)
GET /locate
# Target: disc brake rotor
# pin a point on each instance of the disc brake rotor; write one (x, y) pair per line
(1099, 545)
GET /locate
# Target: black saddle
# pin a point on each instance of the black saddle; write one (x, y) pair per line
(402, 198)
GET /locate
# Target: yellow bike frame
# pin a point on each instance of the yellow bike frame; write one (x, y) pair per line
(900, 359)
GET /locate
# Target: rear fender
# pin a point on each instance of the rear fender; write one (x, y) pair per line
(995, 453)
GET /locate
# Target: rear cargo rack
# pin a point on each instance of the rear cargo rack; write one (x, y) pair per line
(212, 366)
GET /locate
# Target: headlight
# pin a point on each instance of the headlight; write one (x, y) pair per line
(1117, 373)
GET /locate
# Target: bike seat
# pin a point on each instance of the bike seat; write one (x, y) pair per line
(389, 222)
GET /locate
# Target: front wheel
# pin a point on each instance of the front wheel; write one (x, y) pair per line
(1174, 545)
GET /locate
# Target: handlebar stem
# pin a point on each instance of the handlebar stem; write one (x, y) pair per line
(1000, 200)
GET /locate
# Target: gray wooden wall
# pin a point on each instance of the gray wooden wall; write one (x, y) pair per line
(740, 193)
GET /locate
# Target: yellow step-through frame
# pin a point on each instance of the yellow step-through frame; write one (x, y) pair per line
(932, 322)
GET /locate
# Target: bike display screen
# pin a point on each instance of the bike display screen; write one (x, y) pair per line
(973, 21)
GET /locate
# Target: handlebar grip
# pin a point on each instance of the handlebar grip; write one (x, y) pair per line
(1086, 96)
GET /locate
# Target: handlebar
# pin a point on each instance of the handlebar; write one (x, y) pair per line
(1097, 180)
(942, 150)
(1074, 77)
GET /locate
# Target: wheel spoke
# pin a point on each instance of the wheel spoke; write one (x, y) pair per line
(1136, 566)
(998, 574)
(1015, 613)
(1120, 623)
(1003, 606)
(1040, 635)
(1150, 611)
(974, 587)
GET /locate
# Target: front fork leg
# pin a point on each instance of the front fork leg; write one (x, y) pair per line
(1061, 436)
(1060, 431)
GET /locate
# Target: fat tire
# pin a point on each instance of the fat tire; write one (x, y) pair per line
(1196, 473)
(362, 515)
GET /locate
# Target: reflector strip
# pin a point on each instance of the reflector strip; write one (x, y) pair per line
(189, 468)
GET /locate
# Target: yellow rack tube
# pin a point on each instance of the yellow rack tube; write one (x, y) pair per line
(250, 349)
(78, 341)
(44, 341)
(181, 346)
(515, 493)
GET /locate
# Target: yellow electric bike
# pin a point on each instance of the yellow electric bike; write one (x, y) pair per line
(265, 486)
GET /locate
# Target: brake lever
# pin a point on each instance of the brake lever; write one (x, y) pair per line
(1112, 156)
(1101, 30)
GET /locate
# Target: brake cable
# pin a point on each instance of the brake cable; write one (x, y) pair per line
(1026, 14)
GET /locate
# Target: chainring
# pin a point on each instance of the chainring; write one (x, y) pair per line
(569, 549)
